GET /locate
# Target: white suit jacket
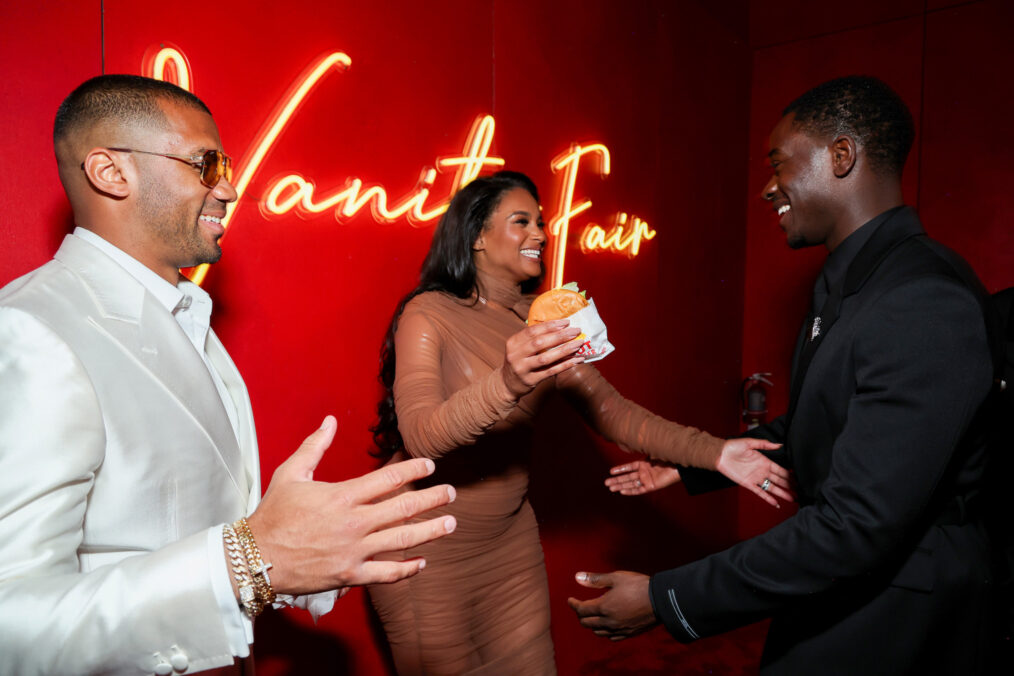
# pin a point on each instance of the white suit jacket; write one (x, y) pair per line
(116, 457)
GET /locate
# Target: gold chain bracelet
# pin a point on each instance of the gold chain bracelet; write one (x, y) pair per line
(258, 567)
(239, 563)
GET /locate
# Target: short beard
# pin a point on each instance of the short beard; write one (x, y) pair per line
(205, 257)
(174, 227)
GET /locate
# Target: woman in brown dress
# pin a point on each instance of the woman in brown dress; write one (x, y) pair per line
(464, 377)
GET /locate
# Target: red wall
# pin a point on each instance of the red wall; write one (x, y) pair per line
(302, 301)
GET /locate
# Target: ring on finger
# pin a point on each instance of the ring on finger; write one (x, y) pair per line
(766, 484)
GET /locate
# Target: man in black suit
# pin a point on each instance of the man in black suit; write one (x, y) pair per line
(885, 567)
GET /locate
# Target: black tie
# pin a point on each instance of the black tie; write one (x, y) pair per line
(819, 293)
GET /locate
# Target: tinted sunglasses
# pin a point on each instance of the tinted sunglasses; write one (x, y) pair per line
(214, 164)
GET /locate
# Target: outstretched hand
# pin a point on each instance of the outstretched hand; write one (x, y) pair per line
(538, 352)
(741, 461)
(623, 611)
(640, 476)
(320, 536)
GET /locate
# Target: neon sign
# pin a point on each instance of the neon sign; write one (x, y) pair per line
(298, 191)
(169, 64)
(596, 238)
(295, 191)
(559, 226)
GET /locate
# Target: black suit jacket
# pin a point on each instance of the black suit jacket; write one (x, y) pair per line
(885, 567)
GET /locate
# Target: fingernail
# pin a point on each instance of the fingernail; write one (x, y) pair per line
(582, 577)
(430, 466)
(450, 523)
(422, 563)
(326, 423)
(451, 493)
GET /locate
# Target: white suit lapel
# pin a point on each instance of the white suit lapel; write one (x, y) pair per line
(233, 382)
(147, 333)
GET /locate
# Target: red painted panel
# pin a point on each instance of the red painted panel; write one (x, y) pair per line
(773, 23)
(45, 54)
(965, 194)
(638, 87)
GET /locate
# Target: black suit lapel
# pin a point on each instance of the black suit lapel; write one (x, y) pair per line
(899, 227)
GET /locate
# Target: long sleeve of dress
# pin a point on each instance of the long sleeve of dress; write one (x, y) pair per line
(633, 427)
(698, 481)
(432, 423)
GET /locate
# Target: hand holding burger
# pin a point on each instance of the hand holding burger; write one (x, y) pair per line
(538, 352)
(553, 342)
(567, 302)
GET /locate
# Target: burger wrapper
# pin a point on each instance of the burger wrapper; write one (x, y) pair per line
(596, 346)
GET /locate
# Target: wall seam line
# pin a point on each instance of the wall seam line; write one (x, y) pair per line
(102, 34)
(922, 108)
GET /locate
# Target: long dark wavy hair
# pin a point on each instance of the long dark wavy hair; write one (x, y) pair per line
(449, 267)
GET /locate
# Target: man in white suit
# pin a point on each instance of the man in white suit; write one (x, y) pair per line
(126, 437)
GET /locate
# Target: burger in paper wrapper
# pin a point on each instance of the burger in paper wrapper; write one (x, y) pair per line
(567, 302)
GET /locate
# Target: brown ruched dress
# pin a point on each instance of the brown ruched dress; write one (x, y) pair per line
(481, 606)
